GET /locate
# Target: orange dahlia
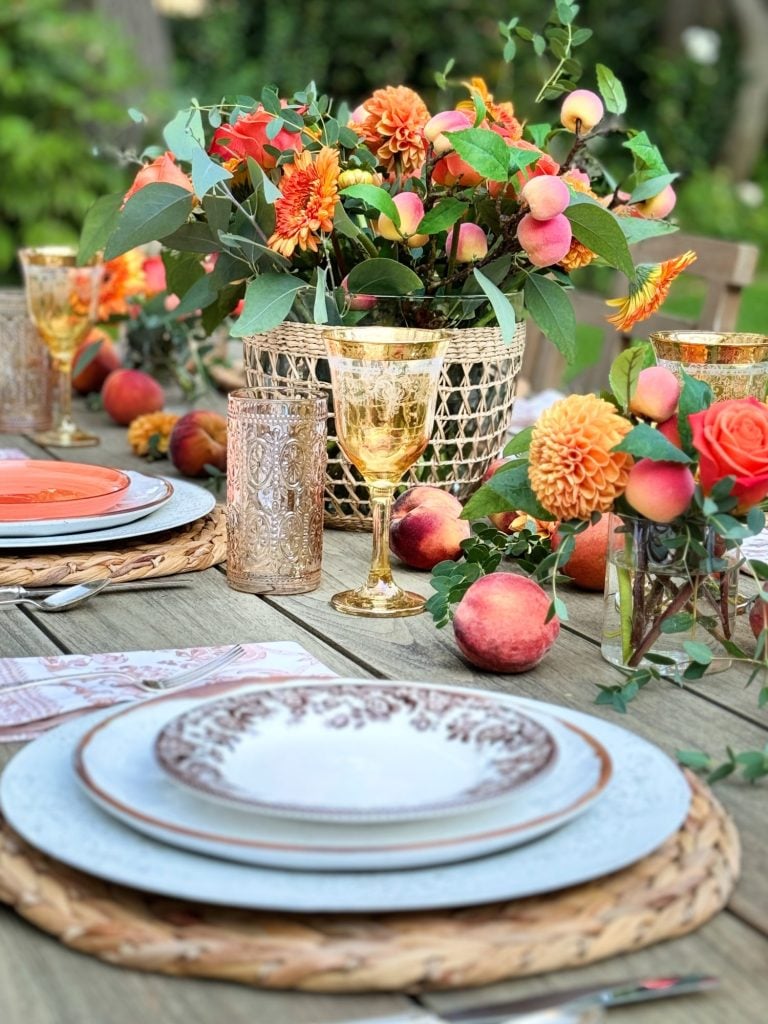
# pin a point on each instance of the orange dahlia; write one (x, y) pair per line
(150, 434)
(122, 279)
(309, 196)
(578, 256)
(572, 470)
(393, 128)
(649, 291)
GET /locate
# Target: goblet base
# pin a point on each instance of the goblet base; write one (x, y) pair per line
(395, 604)
(59, 438)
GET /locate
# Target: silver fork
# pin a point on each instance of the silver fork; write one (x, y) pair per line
(192, 675)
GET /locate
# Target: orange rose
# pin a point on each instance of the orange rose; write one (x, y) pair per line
(248, 136)
(731, 438)
(164, 170)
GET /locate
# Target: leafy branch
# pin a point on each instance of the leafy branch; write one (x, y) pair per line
(753, 764)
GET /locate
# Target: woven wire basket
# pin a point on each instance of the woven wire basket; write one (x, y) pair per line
(476, 394)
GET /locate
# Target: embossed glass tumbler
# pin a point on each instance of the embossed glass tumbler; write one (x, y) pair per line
(62, 299)
(25, 368)
(276, 457)
(384, 383)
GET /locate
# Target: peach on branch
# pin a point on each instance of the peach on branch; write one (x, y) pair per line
(660, 491)
(545, 241)
(428, 534)
(586, 565)
(127, 394)
(582, 109)
(546, 195)
(660, 205)
(472, 244)
(656, 394)
(445, 121)
(500, 623)
(102, 360)
(411, 210)
(198, 439)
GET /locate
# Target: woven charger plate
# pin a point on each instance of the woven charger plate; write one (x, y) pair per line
(199, 545)
(667, 894)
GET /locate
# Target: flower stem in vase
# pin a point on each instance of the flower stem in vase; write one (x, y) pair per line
(646, 643)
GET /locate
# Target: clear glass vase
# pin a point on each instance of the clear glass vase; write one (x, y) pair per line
(665, 606)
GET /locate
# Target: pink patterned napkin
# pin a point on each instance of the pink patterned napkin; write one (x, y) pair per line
(24, 714)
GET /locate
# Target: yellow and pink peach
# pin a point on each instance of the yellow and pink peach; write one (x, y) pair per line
(445, 121)
(426, 535)
(472, 244)
(656, 395)
(411, 211)
(658, 206)
(582, 109)
(660, 491)
(545, 241)
(500, 624)
(546, 195)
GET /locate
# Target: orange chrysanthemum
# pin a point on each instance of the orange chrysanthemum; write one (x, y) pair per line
(572, 470)
(501, 113)
(144, 428)
(393, 128)
(123, 279)
(649, 291)
(309, 196)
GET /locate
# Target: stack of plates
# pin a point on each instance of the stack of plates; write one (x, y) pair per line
(51, 504)
(348, 795)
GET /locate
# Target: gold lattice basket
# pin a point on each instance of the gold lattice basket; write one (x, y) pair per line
(474, 407)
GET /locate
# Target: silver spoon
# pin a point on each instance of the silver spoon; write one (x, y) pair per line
(64, 599)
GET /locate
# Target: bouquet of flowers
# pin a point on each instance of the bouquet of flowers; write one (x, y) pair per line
(681, 477)
(314, 212)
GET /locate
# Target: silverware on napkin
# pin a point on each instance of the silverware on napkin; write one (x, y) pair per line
(605, 995)
(161, 583)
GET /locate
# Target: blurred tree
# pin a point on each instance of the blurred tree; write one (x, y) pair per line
(749, 126)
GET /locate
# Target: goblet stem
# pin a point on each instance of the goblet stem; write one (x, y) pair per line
(380, 571)
(66, 424)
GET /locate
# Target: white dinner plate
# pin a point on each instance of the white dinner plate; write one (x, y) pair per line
(144, 494)
(646, 801)
(115, 764)
(187, 503)
(355, 751)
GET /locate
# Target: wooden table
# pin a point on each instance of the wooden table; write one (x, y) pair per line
(41, 982)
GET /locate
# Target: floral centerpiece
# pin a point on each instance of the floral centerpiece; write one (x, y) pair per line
(314, 211)
(682, 478)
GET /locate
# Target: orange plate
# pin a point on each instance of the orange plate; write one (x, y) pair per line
(34, 489)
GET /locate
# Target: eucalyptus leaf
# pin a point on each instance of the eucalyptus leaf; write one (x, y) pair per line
(99, 223)
(319, 312)
(381, 276)
(206, 172)
(185, 134)
(268, 301)
(149, 215)
(201, 294)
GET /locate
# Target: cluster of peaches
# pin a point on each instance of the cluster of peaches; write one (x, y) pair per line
(134, 399)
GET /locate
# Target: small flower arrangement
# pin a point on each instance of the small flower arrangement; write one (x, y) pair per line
(315, 211)
(683, 477)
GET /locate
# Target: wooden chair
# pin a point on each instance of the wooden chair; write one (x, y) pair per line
(724, 268)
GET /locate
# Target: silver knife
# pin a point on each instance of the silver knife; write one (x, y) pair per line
(606, 995)
(159, 583)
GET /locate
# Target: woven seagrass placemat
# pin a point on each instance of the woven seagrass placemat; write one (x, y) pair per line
(198, 545)
(667, 894)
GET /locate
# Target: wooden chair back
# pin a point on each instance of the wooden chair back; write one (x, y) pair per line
(726, 268)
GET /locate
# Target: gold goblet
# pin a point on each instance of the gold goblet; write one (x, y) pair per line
(62, 299)
(384, 392)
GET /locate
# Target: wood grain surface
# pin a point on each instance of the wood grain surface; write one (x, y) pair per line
(41, 982)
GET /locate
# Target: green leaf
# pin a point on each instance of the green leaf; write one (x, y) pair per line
(649, 162)
(86, 357)
(206, 172)
(376, 197)
(520, 442)
(136, 116)
(484, 151)
(651, 187)
(538, 133)
(502, 307)
(201, 294)
(520, 158)
(506, 491)
(644, 442)
(611, 90)
(383, 277)
(695, 395)
(599, 230)
(182, 269)
(319, 312)
(679, 623)
(149, 215)
(695, 759)
(698, 652)
(625, 370)
(268, 301)
(98, 225)
(263, 182)
(635, 229)
(442, 216)
(192, 236)
(184, 135)
(550, 307)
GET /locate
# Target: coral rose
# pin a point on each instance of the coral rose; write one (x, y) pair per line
(731, 438)
(248, 137)
(573, 470)
(163, 171)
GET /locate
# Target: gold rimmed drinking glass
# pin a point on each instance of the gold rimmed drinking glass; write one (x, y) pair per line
(62, 299)
(384, 392)
(734, 364)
